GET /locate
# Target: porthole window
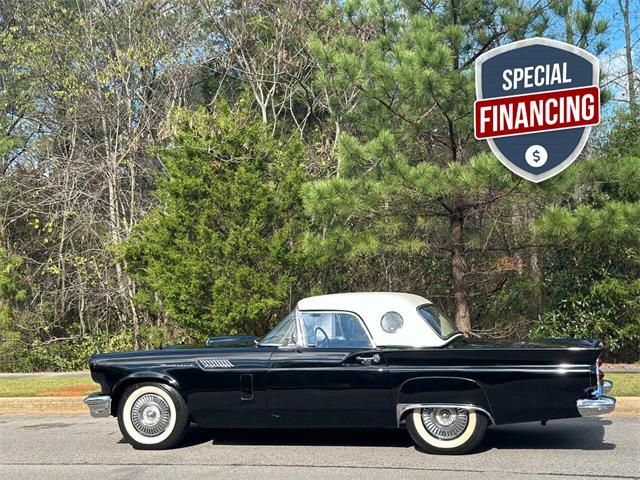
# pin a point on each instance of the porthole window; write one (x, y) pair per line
(391, 322)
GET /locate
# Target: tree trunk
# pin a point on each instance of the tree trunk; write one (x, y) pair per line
(459, 266)
(624, 9)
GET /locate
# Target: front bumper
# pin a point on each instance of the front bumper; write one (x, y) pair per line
(588, 407)
(99, 404)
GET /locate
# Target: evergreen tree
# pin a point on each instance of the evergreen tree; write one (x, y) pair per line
(222, 251)
(409, 176)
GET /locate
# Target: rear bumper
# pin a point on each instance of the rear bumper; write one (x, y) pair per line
(588, 407)
(99, 404)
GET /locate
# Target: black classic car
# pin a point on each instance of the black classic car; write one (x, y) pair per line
(351, 360)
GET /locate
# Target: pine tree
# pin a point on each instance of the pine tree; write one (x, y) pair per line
(411, 179)
(408, 177)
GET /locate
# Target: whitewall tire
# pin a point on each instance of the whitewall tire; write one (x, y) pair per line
(448, 431)
(152, 416)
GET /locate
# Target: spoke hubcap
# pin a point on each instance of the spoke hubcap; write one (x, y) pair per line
(445, 423)
(150, 415)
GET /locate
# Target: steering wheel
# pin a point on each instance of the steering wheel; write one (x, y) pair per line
(315, 334)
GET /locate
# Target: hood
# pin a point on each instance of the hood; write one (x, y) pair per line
(229, 345)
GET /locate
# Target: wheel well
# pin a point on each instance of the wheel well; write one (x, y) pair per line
(443, 390)
(404, 410)
(121, 387)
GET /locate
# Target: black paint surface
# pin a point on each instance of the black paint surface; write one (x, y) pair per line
(310, 387)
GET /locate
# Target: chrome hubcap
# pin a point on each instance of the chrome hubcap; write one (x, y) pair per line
(445, 423)
(150, 415)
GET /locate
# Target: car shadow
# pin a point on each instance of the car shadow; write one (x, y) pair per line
(585, 434)
(302, 437)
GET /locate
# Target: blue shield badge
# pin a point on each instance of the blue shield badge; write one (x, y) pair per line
(537, 100)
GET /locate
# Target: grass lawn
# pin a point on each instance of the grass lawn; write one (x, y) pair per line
(624, 385)
(47, 386)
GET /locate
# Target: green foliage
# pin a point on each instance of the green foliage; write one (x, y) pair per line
(61, 356)
(623, 139)
(13, 291)
(240, 219)
(408, 168)
(591, 272)
(14, 295)
(222, 250)
(610, 311)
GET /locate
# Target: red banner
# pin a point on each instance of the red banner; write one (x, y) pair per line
(537, 112)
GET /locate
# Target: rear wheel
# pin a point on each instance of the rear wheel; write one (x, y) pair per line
(152, 416)
(448, 430)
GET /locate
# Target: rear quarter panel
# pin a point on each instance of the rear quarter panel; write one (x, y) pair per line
(512, 384)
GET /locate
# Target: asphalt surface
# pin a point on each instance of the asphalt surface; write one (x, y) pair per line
(78, 446)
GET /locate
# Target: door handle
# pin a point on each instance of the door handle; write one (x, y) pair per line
(375, 358)
(246, 386)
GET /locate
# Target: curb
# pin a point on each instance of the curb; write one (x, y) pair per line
(625, 406)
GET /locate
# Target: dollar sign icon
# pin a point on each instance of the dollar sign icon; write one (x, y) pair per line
(536, 156)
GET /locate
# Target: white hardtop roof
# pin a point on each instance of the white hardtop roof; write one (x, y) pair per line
(356, 300)
(371, 306)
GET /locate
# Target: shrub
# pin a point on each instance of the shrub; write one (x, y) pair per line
(610, 311)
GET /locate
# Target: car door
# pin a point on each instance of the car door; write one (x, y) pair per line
(332, 376)
(226, 387)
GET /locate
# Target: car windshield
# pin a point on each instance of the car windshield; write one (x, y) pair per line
(444, 327)
(282, 333)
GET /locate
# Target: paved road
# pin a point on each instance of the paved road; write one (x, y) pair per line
(78, 446)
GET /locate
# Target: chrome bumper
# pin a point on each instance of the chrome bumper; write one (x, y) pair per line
(99, 404)
(588, 407)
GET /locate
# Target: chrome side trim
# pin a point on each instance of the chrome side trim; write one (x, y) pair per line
(451, 338)
(401, 408)
(506, 368)
(588, 407)
(99, 404)
(214, 363)
(607, 385)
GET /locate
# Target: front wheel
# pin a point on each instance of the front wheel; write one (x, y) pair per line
(449, 431)
(152, 416)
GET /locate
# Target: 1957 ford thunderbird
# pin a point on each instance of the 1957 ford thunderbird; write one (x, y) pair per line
(351, 360)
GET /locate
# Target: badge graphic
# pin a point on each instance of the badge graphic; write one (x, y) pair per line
(537, 100)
